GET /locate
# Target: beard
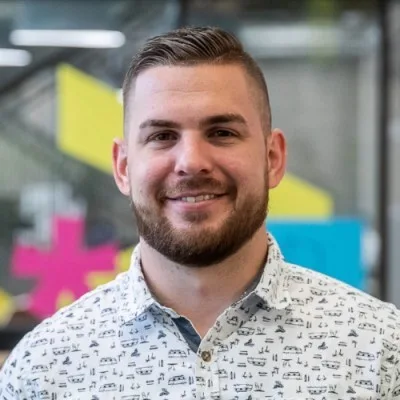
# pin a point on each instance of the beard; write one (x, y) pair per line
(197, 247)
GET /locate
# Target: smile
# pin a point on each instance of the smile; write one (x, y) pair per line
(197, 199)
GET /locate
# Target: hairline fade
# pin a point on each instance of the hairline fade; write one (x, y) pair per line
(191, 46)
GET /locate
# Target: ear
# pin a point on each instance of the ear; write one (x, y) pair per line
(120, 165)
(276, 157)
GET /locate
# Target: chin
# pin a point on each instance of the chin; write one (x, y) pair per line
(195, 224)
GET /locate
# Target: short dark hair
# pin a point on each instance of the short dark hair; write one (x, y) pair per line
(193, 46)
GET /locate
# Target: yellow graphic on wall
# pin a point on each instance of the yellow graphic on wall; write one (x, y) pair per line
(297, 198)
(7, 307)
(65, 298)
(89, 117)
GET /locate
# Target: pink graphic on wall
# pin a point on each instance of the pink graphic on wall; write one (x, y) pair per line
(62, 267)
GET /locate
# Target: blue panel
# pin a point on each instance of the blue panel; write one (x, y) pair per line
(333, 247)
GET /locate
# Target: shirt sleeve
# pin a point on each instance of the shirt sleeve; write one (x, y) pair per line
(13, 385)
(393, 391)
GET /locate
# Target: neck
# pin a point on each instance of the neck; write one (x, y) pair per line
(202, 294)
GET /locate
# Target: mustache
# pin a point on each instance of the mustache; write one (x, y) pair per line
(205, 184)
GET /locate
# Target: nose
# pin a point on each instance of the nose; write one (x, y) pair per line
(193, 156)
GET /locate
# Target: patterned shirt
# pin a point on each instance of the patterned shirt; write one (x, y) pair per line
(297, 335)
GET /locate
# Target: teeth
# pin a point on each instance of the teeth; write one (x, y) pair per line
(197, 198)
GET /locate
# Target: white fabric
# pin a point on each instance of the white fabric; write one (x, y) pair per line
(298, 335)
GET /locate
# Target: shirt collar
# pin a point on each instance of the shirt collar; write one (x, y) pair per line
(273, 285)
(137, 298)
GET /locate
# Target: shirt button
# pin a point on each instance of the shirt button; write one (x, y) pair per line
(206, 356)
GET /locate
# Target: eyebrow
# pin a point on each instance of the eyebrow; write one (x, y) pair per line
(212, 120)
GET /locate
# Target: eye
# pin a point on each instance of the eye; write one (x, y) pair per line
(221, 133)
(162, 137)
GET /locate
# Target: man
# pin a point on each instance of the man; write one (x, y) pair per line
(209, 309)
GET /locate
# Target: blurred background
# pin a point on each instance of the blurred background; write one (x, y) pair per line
(333, 72)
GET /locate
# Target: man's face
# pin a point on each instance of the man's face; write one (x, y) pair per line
(195, 161)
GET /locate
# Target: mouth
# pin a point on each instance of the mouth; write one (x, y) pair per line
(196, 199)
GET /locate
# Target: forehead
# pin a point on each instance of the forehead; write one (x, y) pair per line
(195, 77)
(165, 88)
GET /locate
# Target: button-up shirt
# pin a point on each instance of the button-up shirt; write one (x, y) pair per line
(297, 335)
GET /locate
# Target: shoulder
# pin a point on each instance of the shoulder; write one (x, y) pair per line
(84, 312)
(314, 288)
(57, 335)
(368, 328)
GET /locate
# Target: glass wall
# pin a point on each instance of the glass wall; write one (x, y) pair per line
(394, 153)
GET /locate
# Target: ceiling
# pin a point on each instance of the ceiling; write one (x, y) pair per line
(209, 11)
(43, 56)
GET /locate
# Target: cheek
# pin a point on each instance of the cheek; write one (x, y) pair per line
(250, 176)
(147, 178)
(253, 184)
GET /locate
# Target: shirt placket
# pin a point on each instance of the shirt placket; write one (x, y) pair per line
(208, 366)
(207, 377)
